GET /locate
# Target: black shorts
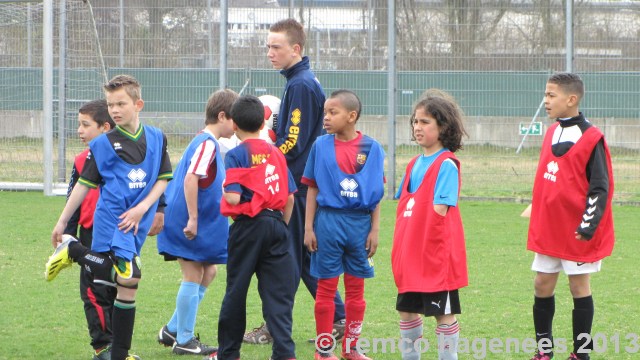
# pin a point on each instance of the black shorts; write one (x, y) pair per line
(168, 257)
(429, 304)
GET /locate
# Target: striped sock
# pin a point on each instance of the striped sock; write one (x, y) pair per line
(448, 336)
(410, 333)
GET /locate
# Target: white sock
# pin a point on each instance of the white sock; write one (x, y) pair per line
(410, 333)
(448, 336)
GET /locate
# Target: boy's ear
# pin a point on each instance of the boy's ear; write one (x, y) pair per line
(353, 115)
(221, 116)
(297, 49)
(139, 104)
(106, 127)
(573, 100)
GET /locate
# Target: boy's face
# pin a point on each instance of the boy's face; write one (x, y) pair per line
(89, 129)
(123, 110)
(337, 119)
(227, 126)
(558, 103)
(426, 130)
(280, 52)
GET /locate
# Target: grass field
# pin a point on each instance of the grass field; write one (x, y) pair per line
(40, 320)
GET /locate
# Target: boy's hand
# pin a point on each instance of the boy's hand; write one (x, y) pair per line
(158, 224)
(131, 219)
(191, 230)
(310, 241)
(372, 243)
(580, 237)
(56, 234)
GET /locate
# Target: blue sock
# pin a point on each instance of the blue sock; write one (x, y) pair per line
(172, 325)
(186, 308)
(201, 292)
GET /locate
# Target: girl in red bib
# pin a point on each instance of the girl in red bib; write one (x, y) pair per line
(429, 258)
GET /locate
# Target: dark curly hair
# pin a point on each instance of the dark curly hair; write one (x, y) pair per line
(448, 115)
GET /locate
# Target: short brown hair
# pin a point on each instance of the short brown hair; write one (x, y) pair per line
(570, 83)
(98, 111)
(293, 29)
(219, 101)
(128, 82)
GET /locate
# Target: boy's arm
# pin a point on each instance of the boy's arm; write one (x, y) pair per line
(191, 197)
(72, 224)
(597, 195)
(310, 240)
(158, 219)
(73, 203)
(372, 238)
(131, 218)
(288, 209)
(303, 116)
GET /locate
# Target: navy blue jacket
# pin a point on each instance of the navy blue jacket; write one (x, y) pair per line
(300, 118)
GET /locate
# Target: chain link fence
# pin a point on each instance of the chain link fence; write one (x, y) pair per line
(493, 56)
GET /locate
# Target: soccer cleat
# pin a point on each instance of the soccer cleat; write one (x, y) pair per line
(324, 356)
(213, 356)
(104, 354)
(259, 335)
(132, 357)
(353, 354)
(542, 356)
(337, 332)
(166, 337)
(193, 347)
(59, 259)
(338, 329)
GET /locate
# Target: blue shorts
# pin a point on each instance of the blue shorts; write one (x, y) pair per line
(342, 236)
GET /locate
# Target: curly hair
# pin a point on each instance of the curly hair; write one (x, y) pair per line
(448, 115)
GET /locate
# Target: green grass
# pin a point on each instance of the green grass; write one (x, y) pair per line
(45, 320)
(488, 171)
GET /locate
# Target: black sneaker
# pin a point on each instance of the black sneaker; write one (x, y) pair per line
(193, 347)
(166, 337)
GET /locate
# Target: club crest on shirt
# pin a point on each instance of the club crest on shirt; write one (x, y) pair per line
(361, 159)
(552, 170)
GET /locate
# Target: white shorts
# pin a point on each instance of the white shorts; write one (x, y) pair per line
(552, 265)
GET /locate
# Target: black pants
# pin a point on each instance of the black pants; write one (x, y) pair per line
(260, 246)
(98, 301)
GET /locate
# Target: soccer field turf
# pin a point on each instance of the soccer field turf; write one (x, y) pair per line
(45, 320)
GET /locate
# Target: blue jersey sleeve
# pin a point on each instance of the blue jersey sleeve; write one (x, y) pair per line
(309, 172)
(231, 161)
(292, 183)
(446, 191)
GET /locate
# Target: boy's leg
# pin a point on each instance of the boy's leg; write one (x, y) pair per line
(547, 270)
(410, 333)
(582, 316)
(277, 288)
(448, 335)
(323, 310)
(98, 301)
(98, 305)
(243, 252)
(355, 306)
(124, 307)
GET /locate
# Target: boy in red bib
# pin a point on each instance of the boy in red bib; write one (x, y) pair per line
(571, 227)
(429, 259)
